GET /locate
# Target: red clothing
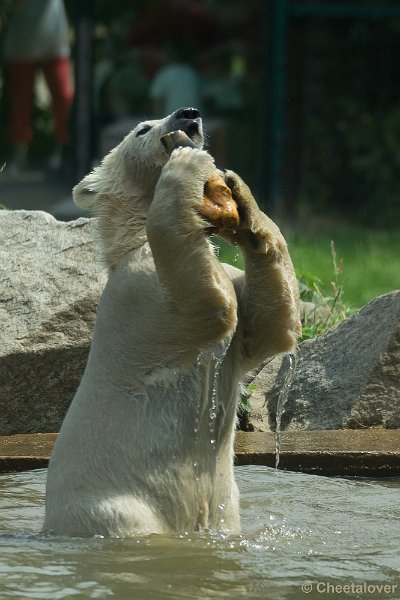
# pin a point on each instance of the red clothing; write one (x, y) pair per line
(57, 73)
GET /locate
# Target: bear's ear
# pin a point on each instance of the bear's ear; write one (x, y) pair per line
(86, 193)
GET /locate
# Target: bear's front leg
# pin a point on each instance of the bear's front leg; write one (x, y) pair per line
(269, 315)
(195, 285)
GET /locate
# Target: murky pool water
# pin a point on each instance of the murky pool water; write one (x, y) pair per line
(303, 537)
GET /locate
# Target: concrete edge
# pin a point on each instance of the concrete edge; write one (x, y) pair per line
(346, 453)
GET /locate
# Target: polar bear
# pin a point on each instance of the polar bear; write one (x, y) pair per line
(147, 444)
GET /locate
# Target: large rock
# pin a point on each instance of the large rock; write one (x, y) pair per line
(348, 378)
(50, 284)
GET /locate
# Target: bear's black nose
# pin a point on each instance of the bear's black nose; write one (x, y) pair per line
(186, 113)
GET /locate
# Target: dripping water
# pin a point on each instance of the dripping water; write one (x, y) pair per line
(196, 426)
(203, 360)
(217, 359)
(213, 408)
(280, 407)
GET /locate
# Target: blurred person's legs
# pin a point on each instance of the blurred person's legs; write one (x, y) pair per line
(57, 73)
(21, 77)
(58, 76)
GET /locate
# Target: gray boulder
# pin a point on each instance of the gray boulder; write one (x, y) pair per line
(347, 378)
(50, 284)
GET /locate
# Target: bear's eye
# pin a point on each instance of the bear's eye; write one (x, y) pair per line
(144, 130)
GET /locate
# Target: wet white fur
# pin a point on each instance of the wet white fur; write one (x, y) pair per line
(139, 451)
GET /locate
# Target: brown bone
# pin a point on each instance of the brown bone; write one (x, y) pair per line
(218, 208)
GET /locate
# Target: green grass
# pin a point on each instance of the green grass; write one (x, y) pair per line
(369, 260)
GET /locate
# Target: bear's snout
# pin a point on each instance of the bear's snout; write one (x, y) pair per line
(186, 113)
(187, 119)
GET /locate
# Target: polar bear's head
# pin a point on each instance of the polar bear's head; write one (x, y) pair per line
(120, 190)
(134, 166)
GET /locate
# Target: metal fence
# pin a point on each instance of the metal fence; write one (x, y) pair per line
(334, 108)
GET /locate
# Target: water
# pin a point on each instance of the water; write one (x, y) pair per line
(298, 530)
(217, 359)
(280, 406)
(213, 408)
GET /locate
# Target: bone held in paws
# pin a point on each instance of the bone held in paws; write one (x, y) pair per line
(218, 208)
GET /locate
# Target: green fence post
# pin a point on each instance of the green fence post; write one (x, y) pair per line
(276, 92)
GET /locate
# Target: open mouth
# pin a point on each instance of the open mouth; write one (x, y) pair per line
(190, 122)
(191, 127)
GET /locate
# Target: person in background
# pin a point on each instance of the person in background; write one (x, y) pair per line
(175, 85)
(37, 39)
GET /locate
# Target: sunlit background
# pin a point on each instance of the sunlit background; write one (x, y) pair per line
(301, 98)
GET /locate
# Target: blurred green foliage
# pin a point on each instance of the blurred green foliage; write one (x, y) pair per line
(351, 133)
(356, 162)
(344, 78)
